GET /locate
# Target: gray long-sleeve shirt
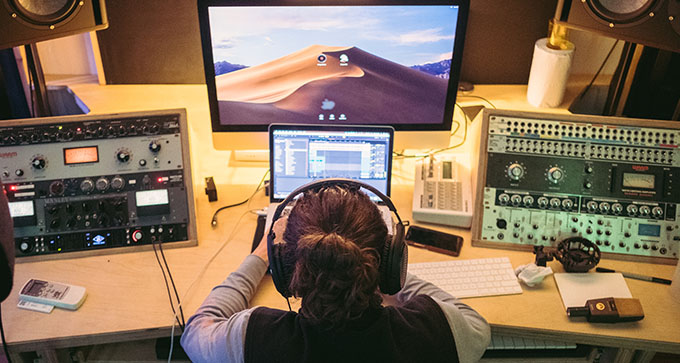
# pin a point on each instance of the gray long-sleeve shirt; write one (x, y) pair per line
(217, 331)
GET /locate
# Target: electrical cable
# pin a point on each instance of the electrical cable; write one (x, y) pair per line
(478, 97)
(432, 152)
(210, 260)
(167, 286)
(213, 222)
(172, 281)
(4, 341)
(585, 90)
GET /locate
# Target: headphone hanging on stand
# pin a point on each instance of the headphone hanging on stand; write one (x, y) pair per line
(393, 258)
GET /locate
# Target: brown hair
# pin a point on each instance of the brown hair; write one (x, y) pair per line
(334, 237)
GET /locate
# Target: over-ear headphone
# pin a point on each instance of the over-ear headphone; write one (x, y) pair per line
(393, 258)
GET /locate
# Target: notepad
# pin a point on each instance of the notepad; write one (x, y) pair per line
(577, 288)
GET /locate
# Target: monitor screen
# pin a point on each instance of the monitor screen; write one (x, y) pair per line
(333, 62)
(301, 154)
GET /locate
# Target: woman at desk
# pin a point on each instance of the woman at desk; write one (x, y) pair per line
(334, 236)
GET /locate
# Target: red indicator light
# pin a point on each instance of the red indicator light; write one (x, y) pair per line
(160, 180)
(13, 187)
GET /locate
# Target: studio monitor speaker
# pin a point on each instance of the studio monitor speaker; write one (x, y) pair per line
(30, 21)
(654, 23)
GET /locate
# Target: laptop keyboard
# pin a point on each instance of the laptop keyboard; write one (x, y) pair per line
(470, 278)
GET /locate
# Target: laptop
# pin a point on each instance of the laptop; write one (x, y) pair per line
(300, 154)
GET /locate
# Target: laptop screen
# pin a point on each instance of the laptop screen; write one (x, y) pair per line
(300, 154)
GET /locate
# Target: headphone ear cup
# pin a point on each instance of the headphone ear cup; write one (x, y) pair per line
(281, 274)
(393, 262)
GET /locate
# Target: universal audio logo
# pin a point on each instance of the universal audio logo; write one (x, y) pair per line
(8, 155)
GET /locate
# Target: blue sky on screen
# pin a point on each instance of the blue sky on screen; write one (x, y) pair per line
(408, 35)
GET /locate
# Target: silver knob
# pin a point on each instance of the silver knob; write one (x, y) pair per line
(555, 175)
(503, 199)
(515, 171)
(567, 203)
(592, 206)
(555, 202)
(617, 208)
(528, 200)
(516, 199)
(657, 212)
(542, 202)
(632, 209)
(645, 210)
(604, 207)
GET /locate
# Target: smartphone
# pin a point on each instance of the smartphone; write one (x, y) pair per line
(432, 240)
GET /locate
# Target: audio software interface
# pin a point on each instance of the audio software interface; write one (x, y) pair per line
(545, 177)
(104, 183)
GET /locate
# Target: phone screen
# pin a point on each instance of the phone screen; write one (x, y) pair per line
(434, 240)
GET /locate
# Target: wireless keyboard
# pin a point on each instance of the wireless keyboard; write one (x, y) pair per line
(470, 278)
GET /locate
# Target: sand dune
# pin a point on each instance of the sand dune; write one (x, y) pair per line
(370, 90)
(275, 80)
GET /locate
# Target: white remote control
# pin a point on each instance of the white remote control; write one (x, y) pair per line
(57, 294)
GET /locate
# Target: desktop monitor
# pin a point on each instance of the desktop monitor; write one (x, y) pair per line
(356, 62)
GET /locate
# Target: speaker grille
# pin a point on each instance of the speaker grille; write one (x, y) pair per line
(42, 12)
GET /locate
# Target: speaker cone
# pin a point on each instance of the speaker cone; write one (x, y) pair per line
(44, 12)
(621, 11)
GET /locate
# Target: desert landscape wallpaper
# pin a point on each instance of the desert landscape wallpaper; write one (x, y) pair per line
(332, 64)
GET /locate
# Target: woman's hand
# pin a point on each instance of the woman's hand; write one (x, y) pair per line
(279, 228)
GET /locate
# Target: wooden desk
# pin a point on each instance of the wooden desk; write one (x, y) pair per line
(126, 293)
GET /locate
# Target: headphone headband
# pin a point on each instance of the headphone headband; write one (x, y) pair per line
(318, 184)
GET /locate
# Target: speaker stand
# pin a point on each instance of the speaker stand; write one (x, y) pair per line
(35, 71)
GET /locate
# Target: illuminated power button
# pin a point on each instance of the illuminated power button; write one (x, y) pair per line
(137, 235)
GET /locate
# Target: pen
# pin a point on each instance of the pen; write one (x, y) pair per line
(636, 276)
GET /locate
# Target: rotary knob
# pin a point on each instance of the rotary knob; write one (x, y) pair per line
(39, 162)
(117, 183)
(542, 202)
(555, 202)
(657, 212)
(632, 209)
(592, 206)
(617, 208)
(154, 146)
(102, 184)
(555, 175)
(567, 204)
(516, 199)
(528, 200)
(123, 156)
(87, 185)
(645, 210)
(503, 199)
(604, 207)
(515, 171)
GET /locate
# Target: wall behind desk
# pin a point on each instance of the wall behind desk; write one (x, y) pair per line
(151, 42)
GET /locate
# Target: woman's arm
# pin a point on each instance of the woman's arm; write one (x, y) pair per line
(216, 331)
(470, 330)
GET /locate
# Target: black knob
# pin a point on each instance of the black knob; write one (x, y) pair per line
(69, 208)
(155, 128)
(19, 172)
(87, 185)
(38, 162)
(103, 220)
(123, 156)
(154, 146)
